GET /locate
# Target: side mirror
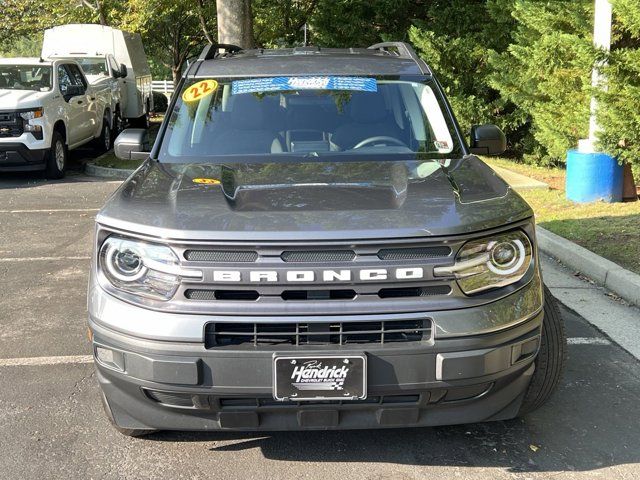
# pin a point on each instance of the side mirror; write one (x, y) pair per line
(123, 71)
(132, 144)
(73, 91)
(487, 140)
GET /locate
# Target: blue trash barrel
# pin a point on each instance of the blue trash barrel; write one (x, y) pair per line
(593, 177)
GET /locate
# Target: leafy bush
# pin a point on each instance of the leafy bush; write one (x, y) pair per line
(160, 102)
(456, 39)
(546, 72)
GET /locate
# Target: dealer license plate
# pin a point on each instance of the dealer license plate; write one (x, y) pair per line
(319, 377)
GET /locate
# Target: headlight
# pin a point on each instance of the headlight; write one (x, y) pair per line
(31, 114)
(35, 130)
(142, 268)
(490, 262)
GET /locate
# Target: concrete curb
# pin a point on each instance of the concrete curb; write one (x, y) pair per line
(105, 172)
(606, 273)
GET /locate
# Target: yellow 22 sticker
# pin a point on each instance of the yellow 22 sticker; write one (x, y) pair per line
(207, 181)
(199, 90)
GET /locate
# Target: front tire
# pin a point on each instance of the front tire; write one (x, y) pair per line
(550, 361)
(57, 157)
(103, 142)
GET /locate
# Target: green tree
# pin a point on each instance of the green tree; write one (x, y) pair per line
(172, 31)
(456, 39)
(359, 23)
(278, 23)
(619, 104)
(23, 21)
(546, 72)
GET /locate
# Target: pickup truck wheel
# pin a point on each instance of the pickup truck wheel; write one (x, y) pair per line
(550, 360)
(129, 432)
(103, 142)
(56, 157)
(117, 125)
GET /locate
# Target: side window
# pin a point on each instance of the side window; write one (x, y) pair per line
(64, 80)
(76, 75)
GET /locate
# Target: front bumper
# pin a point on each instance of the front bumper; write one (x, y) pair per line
(179, 386)
(17, 156)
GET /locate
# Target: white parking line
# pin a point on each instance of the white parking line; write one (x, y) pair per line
(40, 259)
(53, 210)
(588, 341)
(37, 361)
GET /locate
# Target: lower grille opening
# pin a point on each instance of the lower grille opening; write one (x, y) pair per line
(238, 402)
(414, 291)
(318, 295)
(302, 334)
(246, 295)
(401, 399)
(253, 402)
(172, 399)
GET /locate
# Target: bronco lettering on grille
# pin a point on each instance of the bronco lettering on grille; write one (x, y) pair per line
(323, 276)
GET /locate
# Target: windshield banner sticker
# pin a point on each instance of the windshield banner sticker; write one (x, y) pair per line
(275, 84)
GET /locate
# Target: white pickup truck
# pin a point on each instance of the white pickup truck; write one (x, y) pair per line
(47, 107)
(112, 57)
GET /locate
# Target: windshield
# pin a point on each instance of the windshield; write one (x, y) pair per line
(93, 66)
(25, 77)
(308, 116)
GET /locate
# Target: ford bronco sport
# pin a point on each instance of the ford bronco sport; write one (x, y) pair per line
(312, 244)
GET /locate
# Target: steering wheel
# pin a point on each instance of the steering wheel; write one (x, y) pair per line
(380, 138)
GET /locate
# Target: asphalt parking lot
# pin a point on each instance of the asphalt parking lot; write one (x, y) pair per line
(52, 424)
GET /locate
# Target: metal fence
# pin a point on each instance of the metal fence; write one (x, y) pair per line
(162, 86)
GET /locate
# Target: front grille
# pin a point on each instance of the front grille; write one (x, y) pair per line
(414, 291)
(414, 253)
(209, 295)
(318, 294)
(318, 256)
(222, 256)
(340, 277)
(303, 334)
(10, 124)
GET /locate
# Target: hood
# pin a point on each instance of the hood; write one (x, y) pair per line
(19, 99)
(313, 200)
(99, 80)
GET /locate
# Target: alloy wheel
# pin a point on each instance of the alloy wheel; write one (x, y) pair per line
(59, 154)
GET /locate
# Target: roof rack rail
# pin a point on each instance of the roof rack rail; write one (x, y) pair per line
(404, 50)
(213, 50)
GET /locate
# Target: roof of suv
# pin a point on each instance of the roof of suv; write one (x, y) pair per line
(391, 58)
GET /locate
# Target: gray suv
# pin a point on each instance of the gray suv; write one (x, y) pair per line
(312, 244)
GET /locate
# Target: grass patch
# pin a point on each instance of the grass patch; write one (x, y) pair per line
(611, 230)
(111, 161)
